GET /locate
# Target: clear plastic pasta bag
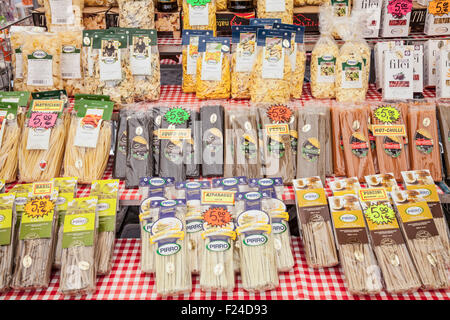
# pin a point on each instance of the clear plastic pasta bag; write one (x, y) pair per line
(276, 9)
(341, 13)
(213, 68)
(41, 149)
(71, 42)
(271, 73)
(137, 14)
(63, 13)
(41, 54)
(255, 240)
(7, 243)
(323, 58)
(89, 140)
(189, 57)
(89, 63)
(78, 270)
(199, 17)
(10, 134)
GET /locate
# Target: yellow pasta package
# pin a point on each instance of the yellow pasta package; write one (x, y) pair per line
(213, 68)
(137, 14)
(282, 9)
(63, 13)
(41, 54)
(199, 15)
(189, 57)
(271, 74)
(71, 45)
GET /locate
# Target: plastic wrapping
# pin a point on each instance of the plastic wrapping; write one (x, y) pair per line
(193, 146)
(78, 273)
(299, 3)
(71, 42)
(94, 18)
(67, 13)
(10, 134)
(337, 145)
(213, 68)
(156, 143)
(213, 133)
(89, 63)
(273, 187)
(443, 113)
(137, 14)
(7, 244)
(341, 13)
(271, 74)
(202, 18)
(276, 9)
(120, 154)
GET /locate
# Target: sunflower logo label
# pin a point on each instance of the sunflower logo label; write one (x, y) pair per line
(380, 214)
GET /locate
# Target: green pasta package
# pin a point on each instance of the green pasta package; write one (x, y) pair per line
(7, 230)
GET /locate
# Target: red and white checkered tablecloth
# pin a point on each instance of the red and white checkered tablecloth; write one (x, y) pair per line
(127, 282)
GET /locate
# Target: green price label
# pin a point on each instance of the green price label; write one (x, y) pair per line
(198, 2)
(380, 214)
(387, 114)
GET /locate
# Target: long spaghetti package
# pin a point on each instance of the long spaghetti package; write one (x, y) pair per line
(137, 14)
(397, 267)
(271, 73)
(258, 264)
(71, 45)
(8, 229)
(78, 270)
(213, 133)
(422, 238)
(313, 135)
(193, 146)
(41, 148)
(89, 63)
(168, 231)
(213, 76)
(199, 16)
(10, 135)
(276, 9)
(189, 56)
(278, 157)
(337, 145)
(242, 59)
(34, 254)
(107, 192)
(443, 108)
(390, 133)
(297, 57)
(63, 14)
(41, 54)
(22, 98)
(314, 221)
(120, 154)
(89, 141)
(424, 140)
(323, 58)
(361, 270)
(355, 138)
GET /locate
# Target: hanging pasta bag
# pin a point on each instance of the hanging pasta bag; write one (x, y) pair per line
(199, 15)
(63, 14)
(10, 134)
(71, 45)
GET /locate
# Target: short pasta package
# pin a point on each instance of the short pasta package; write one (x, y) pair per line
(281, 9)
(271, 74)
(199, 15)
(71, 45)
(213, 68)
(63, 13)
(137, 14)
(10, 134)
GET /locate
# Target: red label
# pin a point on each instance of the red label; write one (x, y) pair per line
(397, 84)
(397, 22)
(400, 8)
(45, 120)
(424, 142)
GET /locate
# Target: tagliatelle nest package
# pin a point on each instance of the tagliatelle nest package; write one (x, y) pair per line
(63, 13)
(282, 9)
(71, 45)
(199, 17)
(137, 14)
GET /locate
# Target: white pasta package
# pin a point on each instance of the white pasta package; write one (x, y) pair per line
(379, 49)
(417, 52)
(443, 72)
(218, 240)
(431, 48)
(371, 9)
(63, 13)
(238, 184)
(137, 14)
(437, 20)
(71, 45)
(168, 231)
(398, 74)
(254, 234)
(272, 186)
(341, 10)
(395, 18)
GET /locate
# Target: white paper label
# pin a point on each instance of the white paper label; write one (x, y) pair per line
(40, 72)
(19, 62)
(110, 65)
(87, 133)
(38, 139)
(326, 71)
(198, 15)
(140, 60)
(275, 5)
(62, 12)
(246, 52)
(351, 75)
(273, 59)
(212, 62)
(70, 64)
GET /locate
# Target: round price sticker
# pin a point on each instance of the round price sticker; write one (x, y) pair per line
(217, 217)
(380, 214)
(38, 208)
(400, 8)
(438, 7)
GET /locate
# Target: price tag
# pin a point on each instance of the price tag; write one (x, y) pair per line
(380, 214)
(399, 8)
(438, 7)
(38, 208)
(45, 120)
(217, 217)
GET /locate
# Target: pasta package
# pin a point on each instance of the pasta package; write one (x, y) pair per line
(89, 140)
(213, 76)
(213, 132)
(94, 18)
(361, 270)
(190, 56)
(341, 13)
(41, 149)
(34, 254)
(299, 3)
(120, 154)
(265, 23)
(343, 186)
(79, 239)
(90, 60)
(145, 67)
(193, 146)
(107, 192)
(157, 187)
(199, 15)
(443, 113)
(62, 14)
(157, 119)
(276, 9)
(337, 146)
(10, 135)
(258, 263)
(71, 44)
(422, 237)
(237, 184)
(41, 54)
(22, 98)
(172, 271)
(314, 221)
(273, 187)
(7, 230)
(297, 57)
(382, 180)
(271, 73)
(100, 3)
(137, 14)
(323, 58)
(422, 132)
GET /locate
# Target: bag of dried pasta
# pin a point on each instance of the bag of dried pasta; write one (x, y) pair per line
(41, 54)
(199, 15)
(89, 63)
(213, 68)
(41, 148)
(10, 135)
(79, 240)
(281, 9)
(323, 58)
(71, 44)
(63, 13)
(137, 14)
(341, 13)
(144, 61)
(297, 57)
(7, 243)
(37, 239)
(271, 74)
(190, 56)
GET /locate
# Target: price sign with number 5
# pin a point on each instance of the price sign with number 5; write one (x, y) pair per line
(45, 120)
(399, 8)
(438, 7)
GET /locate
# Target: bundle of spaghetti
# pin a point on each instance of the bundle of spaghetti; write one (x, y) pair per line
(7, 250)
(56, 17)
(230, 151)
(188, 24)
(8, 151)
(71, 39)
(258, 264)
(42, 165)
(336, 136)
(87, 164)
(194, 241)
